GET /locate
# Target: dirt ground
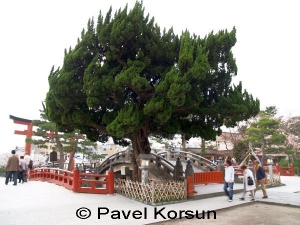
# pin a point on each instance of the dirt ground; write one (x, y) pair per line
(249, 214)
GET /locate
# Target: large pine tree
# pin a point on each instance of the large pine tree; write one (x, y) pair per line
(128, 79)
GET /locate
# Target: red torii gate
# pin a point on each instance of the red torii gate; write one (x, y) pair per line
(27, 132)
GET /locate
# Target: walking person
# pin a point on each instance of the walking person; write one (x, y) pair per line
(22, 169)
(229, 180)
(212, 160)
(27, 158)
(248, 175)
(12, 167)
(30, 165)
(260, 178)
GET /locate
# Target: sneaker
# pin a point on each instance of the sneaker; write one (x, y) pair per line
(242, 199)
(252, 200)
(230, 200)
(265, 197)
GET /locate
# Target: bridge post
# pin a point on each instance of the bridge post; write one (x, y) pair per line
(178, 170)
(189, 175)
(125, 171)
(76, 179)
(189, 171)
(220, 166)
(168, 151)
(111, 181)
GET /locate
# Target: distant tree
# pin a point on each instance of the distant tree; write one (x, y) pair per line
(291, 128)
(237, 137)
(128, 80)
(46, 133)
(297, 164)
(240, 150)
(154, 140)
(265, 133)
(270, 111)
(75, 142)
(284, 162)
(94, 156)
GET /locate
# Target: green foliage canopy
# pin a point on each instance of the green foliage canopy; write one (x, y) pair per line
(126, 78)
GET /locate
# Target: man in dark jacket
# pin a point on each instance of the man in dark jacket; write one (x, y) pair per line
(12, 167)
(260, 178)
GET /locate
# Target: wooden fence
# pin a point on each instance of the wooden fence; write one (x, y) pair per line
(156, 191)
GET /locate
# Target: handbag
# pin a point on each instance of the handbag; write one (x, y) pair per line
(250, 181)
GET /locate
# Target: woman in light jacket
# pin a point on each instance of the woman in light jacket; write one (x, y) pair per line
(247, 175)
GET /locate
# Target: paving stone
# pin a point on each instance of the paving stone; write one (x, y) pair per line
(38, 202)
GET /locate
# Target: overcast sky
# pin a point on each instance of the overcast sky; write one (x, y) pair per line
(35, 33)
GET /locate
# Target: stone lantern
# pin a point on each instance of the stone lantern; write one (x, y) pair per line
(145, 166)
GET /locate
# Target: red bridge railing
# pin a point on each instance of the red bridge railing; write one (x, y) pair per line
(203, 178)
(208, 177)
(75, 181)
(285, 171)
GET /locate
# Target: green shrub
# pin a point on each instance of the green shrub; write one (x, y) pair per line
(297, 161)
(283, 162)
(2, 170)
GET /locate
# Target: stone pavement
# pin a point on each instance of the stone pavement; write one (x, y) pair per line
(45, 203)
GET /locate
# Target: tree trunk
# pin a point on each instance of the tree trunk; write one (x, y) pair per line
(72, 153)
(140, 145)
(71, 158)
(183, 142)
(262, 153)
(60, 149)
(295, 154)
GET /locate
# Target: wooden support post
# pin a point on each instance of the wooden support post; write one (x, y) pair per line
(71, 156)
(76, 180)
(190, 185)
(277, 169)
(111, 182)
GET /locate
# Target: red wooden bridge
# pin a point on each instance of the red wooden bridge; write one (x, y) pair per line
(75, 181)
